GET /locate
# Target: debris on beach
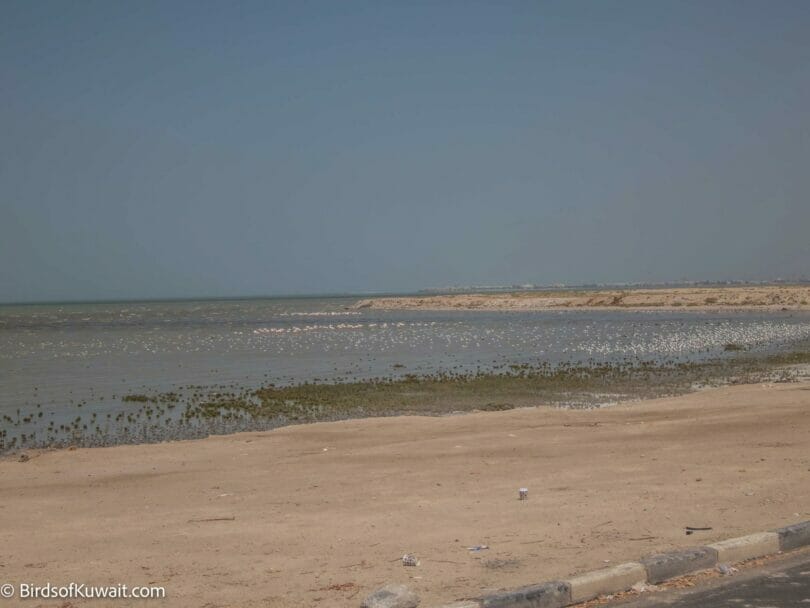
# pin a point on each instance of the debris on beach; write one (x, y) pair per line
(501, 564)
(339, 587)
(523, 494)
(409, 560)
(205, 519)
(392, 596)
(726, 570)
(478, 548)
(644, 587)
(692, 529)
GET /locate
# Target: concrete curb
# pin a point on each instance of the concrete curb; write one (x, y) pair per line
(651, 569)
(544, 595)
(602, 582)
(792, 537)
(746, 547)
(662, 566)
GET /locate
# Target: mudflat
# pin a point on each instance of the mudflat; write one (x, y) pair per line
(791, 297)
(320, 514)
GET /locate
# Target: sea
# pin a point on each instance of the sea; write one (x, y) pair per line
(55, 356)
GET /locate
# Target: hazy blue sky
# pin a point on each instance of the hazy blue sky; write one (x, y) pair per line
(167, 148)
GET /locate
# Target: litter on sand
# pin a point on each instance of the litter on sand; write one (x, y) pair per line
(478, 548)
(409, 560)
(692, 530)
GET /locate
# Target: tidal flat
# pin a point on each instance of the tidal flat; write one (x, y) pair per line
(98, 374)
(197, 411)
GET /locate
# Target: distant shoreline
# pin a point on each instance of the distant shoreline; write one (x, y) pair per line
(770, 297)
(415, 293)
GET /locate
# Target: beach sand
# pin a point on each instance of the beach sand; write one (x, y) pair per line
(319, 514)
(790, 297)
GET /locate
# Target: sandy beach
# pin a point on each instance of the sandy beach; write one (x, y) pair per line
(319, 514)
(691, 298)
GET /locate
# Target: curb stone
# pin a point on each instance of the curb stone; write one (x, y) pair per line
(555, 594)
(746, 547)
(792, 537)
(608, 580)
(662, 566)
(652, 569)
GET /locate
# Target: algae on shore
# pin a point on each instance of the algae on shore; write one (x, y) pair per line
(199, 411)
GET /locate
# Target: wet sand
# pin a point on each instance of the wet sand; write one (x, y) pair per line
(692, 298)
(319, 514)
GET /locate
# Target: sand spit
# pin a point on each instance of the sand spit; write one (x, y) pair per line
(700, 298)
(319, 515)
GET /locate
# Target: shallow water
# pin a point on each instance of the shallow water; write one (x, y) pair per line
(53, 357)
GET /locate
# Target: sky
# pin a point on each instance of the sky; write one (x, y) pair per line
(188, 149)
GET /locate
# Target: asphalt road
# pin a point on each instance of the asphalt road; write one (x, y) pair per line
(783, 583)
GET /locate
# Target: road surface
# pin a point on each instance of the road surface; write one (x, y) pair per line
(782, 583)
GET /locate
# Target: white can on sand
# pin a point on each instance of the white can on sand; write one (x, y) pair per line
(523, 493)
